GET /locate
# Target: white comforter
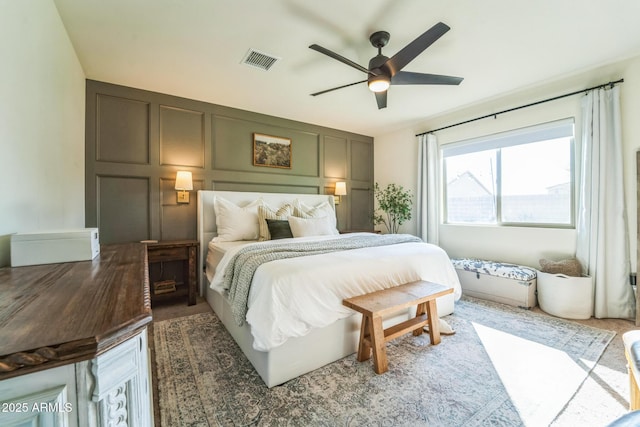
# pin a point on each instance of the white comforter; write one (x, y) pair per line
(290, 297)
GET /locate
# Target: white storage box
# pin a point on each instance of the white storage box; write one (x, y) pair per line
(497, 281)
(565, 296)
(48, 247)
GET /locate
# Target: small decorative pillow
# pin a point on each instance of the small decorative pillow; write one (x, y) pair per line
(324, 209)
(234, 222)
(265, 212)
(568, 267)
(279, 229)
(304, 227)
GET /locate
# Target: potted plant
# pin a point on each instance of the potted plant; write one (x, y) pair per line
(395, 203)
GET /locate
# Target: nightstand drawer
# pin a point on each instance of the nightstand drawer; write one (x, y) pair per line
(167, 254)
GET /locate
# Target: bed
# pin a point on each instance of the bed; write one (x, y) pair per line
(329, 335)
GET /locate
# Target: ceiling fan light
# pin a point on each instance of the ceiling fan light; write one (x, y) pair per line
(379, 83)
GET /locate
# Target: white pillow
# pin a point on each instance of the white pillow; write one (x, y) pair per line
(266, 212)
(234, 222)
(324, 209)
(303, 227)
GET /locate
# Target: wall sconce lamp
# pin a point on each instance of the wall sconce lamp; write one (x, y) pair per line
(339, 191)
(184, 184)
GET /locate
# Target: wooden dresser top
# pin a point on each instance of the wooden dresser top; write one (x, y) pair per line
(55, 314)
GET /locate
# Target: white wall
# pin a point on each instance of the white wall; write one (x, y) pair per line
(396, 154)
(42, 103)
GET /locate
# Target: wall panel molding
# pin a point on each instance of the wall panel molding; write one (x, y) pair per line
(361, 213)
(137, 140)
(175, 218)
(361, 161)
(124, 212)
(122, 130)
(181, 137)
(335, 157)
(233, 147)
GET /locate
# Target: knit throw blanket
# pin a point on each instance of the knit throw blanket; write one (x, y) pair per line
(243, 265)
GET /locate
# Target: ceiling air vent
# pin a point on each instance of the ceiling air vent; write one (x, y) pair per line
(260, 60)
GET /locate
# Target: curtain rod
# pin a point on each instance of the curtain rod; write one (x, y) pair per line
(525, 106)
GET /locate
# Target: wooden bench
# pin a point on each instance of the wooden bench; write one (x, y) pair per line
(377, 304)
(631, 341)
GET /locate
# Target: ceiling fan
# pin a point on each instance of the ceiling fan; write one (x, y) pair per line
(384, 71)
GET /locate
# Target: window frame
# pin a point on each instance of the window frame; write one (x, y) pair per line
(526, 135)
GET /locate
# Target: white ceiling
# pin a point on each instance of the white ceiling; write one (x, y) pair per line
(194, 49)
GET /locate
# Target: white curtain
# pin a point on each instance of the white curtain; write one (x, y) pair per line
(602, 239)
(428, 176)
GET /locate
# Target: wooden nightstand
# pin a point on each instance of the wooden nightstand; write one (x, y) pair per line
(176, 250)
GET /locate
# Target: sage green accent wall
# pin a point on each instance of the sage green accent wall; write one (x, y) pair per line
(182, 136)
(335, 157)
(137, 140)
(123, 132)
(233, 146)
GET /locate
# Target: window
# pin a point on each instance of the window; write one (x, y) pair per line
(521, 177)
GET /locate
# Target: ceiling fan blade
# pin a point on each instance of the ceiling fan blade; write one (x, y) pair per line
(338, 57)
(381, 99)
(336, 88)
(407, 54)
(409, 78)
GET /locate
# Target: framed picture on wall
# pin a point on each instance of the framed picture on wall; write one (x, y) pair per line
(271, 151)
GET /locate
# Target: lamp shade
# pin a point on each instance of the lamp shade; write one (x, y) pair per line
(184, 181)
(341, 189)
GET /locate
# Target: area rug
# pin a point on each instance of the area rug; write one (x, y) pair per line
(504, 367)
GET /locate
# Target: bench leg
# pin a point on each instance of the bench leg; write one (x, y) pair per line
(380, 364)
(420, 310)
(634, 396)
(434, 323)
(364, 349)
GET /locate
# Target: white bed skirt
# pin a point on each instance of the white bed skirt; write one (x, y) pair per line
(300, 355)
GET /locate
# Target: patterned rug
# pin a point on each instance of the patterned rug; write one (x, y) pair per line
(504, 367)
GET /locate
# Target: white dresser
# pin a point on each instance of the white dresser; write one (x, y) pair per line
(82, 358)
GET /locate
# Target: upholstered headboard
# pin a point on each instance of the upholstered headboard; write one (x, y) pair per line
(207, 219)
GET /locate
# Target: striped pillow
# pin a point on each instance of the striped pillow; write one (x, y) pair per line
(265, 212)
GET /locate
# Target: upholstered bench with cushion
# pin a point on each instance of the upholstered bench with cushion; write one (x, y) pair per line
(497, 281)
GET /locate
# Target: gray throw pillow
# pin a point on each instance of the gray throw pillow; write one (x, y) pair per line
(279, 229)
